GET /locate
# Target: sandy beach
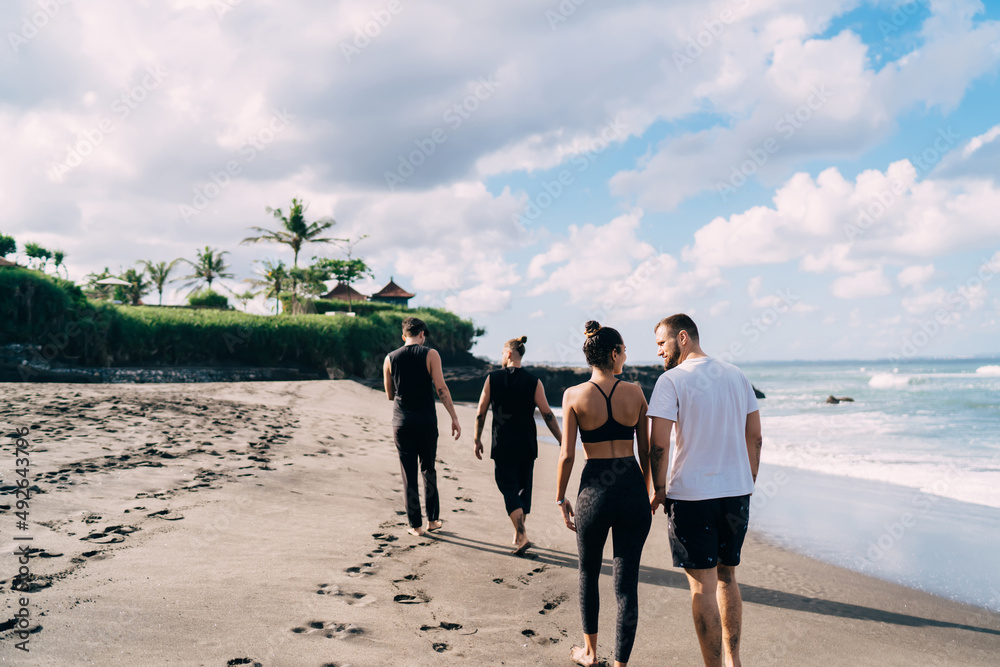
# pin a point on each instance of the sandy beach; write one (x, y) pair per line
(261, 523)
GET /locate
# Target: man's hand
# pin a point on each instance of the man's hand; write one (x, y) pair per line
(567, 512)
(658, 498)
(479, 449)
(456, 429)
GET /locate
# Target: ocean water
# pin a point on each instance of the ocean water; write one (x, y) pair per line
(931, 425)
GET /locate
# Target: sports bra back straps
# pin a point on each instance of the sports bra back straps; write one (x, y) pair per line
(611, 429)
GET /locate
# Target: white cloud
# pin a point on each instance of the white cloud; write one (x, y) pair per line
(915, 276)
(831, 224)
(796, 97)
(861, 285)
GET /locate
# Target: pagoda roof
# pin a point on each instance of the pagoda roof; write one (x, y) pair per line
(344, 293)
(392, 290)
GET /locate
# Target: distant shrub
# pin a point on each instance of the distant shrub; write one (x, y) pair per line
(54, 314)
(206, 298)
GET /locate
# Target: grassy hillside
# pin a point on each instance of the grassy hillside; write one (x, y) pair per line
(72, 330)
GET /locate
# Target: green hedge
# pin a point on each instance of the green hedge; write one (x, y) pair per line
(54, 313)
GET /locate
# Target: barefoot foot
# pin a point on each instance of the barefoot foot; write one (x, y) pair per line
(434, 525)
(417, 532)
(521, 548)
(579, 655)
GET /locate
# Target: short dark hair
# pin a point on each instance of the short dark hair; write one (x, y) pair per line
(516, 344)
(678, 323)
(600, 343)
(412, 327)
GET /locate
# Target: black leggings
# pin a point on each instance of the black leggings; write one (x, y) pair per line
(612, 497)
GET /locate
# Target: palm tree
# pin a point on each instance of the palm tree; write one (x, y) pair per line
(159, 273)
(208, 266)
(295, 233)
(38, 253)
(57, 259)
(273, 277)
(138, 285)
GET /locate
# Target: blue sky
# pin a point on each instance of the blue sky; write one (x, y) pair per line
(714, 158)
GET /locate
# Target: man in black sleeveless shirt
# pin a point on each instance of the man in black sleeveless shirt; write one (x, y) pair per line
(513, 393)
(411, 374)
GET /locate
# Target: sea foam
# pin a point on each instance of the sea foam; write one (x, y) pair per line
(992, 371)
(888, 381)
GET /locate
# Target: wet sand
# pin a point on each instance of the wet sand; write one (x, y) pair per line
(262, 523)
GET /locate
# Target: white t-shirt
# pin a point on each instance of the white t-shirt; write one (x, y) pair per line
(710, 400)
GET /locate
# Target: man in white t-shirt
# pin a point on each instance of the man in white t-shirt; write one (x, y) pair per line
(714, 468)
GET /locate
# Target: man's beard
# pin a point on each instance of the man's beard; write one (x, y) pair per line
(671, 361)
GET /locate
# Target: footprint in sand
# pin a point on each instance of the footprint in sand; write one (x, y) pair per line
(363, 570)
(526, 578)
(167, 515)
(552, 603)
(441, 626)
(419, 598)
(440, 647)
(361, 599)
(384, 537)
(329, 630)
(110, 535)
(463, 499)
(409, 577)
(243, 661)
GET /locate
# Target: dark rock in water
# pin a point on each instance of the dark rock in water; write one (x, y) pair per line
(841, 399)
(832, 399)
(758, 393)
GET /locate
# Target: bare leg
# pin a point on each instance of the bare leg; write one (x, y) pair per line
(588, 655)
(731, 610)
(521, 543)
(705, 610)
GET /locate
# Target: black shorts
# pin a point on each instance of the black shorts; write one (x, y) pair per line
(707, 533)
(514, 481)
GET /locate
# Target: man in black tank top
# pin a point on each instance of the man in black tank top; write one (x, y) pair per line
(411, 374)
(513, 393)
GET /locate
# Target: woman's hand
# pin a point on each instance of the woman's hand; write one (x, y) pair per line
(567, 512)
(658, 498)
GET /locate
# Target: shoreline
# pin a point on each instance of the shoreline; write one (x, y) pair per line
(270, 531)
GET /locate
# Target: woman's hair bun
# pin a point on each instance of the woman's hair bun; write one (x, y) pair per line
(523, 340)
(591, 328)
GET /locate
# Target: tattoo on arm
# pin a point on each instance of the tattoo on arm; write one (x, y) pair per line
(480, 425)
(550, 418)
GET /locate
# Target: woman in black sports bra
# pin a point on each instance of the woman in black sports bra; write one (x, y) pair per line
(614, 486)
